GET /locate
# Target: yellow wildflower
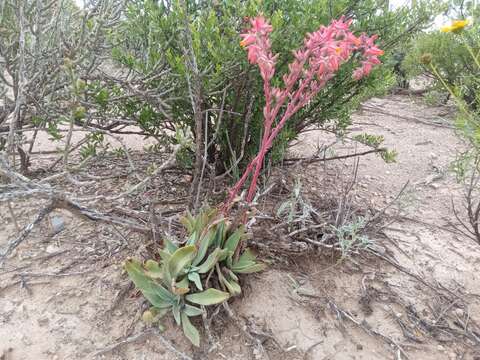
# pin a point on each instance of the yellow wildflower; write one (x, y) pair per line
(456, 26)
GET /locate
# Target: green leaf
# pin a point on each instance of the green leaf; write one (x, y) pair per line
(250, 269)
(176, 314)
(192, 310)
(180, 259)
(153, 269)
(208, 297)
(232, 286)
(192, 239)
(212, 259)
(205, 242)
(246, 258)
(190, 331)
(234, 239)
(195, 278)
(219, 234)
(165, 255)
(158, 313)
(188, 221)
(181, 288)
(153, 292)
(232, 275)
(224, 253)
(170, 246)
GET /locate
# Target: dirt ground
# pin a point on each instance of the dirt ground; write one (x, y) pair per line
(65, 296)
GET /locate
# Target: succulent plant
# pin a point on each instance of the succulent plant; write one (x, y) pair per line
(177, 283)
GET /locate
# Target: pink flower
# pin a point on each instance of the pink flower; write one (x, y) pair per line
(314, 64)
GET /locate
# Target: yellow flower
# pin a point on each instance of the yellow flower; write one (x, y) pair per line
(456, 26)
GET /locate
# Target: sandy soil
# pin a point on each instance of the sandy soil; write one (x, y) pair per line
(64, 296)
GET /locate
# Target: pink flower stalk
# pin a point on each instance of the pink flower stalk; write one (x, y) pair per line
(322, 54)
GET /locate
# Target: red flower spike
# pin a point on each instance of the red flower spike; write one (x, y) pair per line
(322, 54)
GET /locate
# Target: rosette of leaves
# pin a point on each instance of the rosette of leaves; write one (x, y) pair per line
(180, 281)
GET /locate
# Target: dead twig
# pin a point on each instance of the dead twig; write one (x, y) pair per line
(244, 328)
(25, 232)
(316, 158)
(140, 336)
(341, 313)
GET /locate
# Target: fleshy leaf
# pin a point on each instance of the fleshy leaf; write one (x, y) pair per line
(180, 259)
(170, 246)
(176, 314)
(190, 331)
(208, 297)
(153, 269)
(232, 286)
(153, 292)
(192, 310)
(205, 242)
(250, 269)
(234, 239)
(181, 288)
(195, 278)
(219, 235)
(210, 262)
(165, 255)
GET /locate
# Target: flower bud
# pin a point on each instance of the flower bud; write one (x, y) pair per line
(81, 85)
(148, 317)
(79, 113)
(426, 59)
(68, 63)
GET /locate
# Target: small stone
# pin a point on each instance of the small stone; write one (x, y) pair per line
(459, 312)
(43, 321)
(434, 186)
(58, 224)
(8, 306)
(26, 340)
(440, 348)
(51, 249)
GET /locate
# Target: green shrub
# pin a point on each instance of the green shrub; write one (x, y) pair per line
(150, 41)
(464, 91)
(450, 56)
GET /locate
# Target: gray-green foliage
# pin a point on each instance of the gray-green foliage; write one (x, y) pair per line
(447, 52)
(189, 275)
(63, 48)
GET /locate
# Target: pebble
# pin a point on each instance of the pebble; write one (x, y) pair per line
(50, 249)
(43, 321)
(26, 340)
(58, 224)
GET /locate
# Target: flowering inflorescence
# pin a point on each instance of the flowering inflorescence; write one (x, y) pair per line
(314, 64)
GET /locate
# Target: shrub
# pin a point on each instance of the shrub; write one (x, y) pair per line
(432, 47)
(464, 91)
(151, 41)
